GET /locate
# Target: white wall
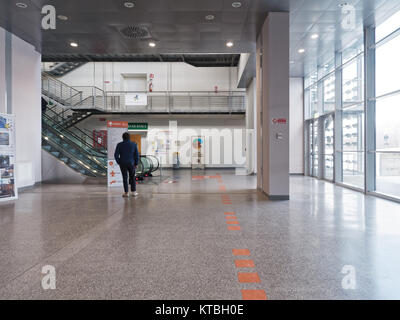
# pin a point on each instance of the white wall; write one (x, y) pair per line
(2, 73)
(26, 105)
(296, 126)
(25, 93)
(251, 147)
(226, 136)
(244, 58)
(175, 76)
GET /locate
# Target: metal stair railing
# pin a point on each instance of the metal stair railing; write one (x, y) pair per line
(59, 91)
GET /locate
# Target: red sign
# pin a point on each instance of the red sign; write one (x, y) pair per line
(279, 121)
(99, 139)
(151, 75)
(117, 124)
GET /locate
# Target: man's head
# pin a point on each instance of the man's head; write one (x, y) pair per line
(126, 136)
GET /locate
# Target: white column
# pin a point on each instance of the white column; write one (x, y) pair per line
(273, 107)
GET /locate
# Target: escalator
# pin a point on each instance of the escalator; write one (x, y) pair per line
(147, 166)
(73, 152)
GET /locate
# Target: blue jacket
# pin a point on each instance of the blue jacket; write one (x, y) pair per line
(127, 152)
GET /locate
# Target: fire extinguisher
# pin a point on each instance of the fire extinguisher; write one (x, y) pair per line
(151, 85)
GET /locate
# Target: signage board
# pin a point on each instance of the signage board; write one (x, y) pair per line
(136, 99)
(138, 126)
(8, 190)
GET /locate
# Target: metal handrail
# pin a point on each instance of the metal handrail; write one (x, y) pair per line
(74, 158)
(67, 132)
(72, 143)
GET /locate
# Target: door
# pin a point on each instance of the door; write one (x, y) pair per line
(137, 138)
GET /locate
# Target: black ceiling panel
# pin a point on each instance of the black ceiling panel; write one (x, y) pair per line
(180, 26)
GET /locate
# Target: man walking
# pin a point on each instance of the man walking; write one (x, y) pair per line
(127, 156)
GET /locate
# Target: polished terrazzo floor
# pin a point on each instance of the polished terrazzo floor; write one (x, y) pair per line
(173, 241)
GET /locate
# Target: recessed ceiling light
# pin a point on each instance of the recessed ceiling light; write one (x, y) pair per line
(21, 5)
(129, 5)
(341, 5)
(301, 50)
(210, 17)
(314, 36)
(229, 44)
(152, 44)
(236, 4)
(291, 62)
(63, 18)
(73, 44)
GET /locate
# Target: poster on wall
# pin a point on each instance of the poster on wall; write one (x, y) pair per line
(115, 129)
(8, 190)
(136, 99)
(198, 152)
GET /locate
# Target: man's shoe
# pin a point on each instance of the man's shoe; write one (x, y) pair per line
(134, 194)
(125, 195)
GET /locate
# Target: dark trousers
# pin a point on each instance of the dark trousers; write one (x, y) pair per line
(125, 170)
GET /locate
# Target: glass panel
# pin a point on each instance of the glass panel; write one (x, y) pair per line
(353, 169)
(315, 149)
(329, 147)
(328, 170)
(328, 68)
(387, 27)
(388, 123)
(313, 101)
(329, 94)
(307, 104)
(388, 67)
(388, 173)
(314, 77)
(388, 140)
(353, 145)
(310, 144)
(353, 128)
(353, 83)
(352, 51)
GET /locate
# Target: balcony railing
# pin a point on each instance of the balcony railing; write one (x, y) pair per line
(161, 101)
(93, 98)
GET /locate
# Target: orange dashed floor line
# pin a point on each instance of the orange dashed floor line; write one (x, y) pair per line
(234, 228)
(248, 277)
(232, 222)
(243, 277)
(244, 264)
(254, 295)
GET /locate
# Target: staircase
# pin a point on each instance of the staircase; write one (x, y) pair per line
(62, 68)
(61, 137)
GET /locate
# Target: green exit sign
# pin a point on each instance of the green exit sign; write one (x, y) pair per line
(138, 126)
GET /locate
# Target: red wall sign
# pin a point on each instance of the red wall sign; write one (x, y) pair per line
(117, 124)
(279, 121)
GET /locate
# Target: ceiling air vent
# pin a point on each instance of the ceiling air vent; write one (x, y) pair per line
(136, 32)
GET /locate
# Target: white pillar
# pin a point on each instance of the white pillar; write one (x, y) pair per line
(273, 106)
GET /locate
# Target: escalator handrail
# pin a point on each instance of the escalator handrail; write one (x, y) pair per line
(102, 149)
(74, 144)
(66, 133)
(71, 156)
